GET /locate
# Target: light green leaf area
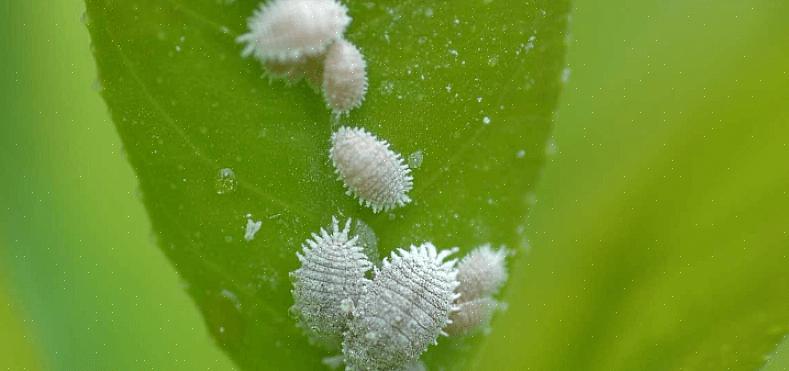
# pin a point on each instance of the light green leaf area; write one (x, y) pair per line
(187, 106)
(661, 232)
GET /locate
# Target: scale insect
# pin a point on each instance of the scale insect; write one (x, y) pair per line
(471, 316)
(344, 77)
(372, 172)
(289, 30)
(404, 309)
(481, 273)
(329, 283)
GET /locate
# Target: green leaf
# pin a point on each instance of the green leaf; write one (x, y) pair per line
(778, 360)
(187, 105)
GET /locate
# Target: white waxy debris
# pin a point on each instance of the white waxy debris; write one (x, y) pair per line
(252, 228)
(288, 30)
(471, 316)
(403, 311)
(329, 283)
(371, 171)
(333, 362)
(481, 273)
(344, 77)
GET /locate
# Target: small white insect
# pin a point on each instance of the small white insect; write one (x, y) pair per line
(403, 311)
(288, 30)
(372, 172)
(344, 77)
(329, 283)
(481, 273)
(471, 316)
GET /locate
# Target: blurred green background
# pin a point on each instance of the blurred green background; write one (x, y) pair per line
(659, 239)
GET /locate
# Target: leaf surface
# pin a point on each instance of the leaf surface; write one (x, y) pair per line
(469, 85)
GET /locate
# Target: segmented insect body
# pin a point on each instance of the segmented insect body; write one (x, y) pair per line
(288, 30)
(481, 273)
(344, 77)
(471, 316)
(329, 283)
(371, 171)
(402, 313)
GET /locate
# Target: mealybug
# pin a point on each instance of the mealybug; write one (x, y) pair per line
(481, 273)
(471, 316)
(344, 77)
(372, 172)
(288, 30)
(403, 311)
(329, 283)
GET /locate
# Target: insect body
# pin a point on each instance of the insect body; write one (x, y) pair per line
(329, 283)
(480, 273)
(371, 171)
(471, 316)
(403, 311)
(344, 77)
(289, 30)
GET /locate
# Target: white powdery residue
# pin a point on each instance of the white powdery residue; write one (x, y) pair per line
(486, 120)
(530, 43)
(566, 74)
(252, 228)
(415, 159)
(232, 297)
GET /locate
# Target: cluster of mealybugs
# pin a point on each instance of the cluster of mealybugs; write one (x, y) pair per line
(388, 320)
(296, 39)
(303, 39)
(382, 317)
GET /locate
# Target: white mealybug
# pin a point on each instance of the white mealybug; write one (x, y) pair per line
(288, 30)
(471, 316)
(481, 273)
(344, 77)
(372, 172)
(329, 283)
(403, 311)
